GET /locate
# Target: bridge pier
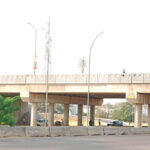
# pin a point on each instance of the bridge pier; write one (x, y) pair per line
(66, 114)
(92, 114)
(138, 101)
(138, 115)
(51, 114)
(148, 115)
(33, 121)
(80, 111)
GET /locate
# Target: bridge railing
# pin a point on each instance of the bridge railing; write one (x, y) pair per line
(96, 78)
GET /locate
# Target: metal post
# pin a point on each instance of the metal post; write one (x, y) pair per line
(47, 74)
(46, 103)
(88, 94)
(35, 57)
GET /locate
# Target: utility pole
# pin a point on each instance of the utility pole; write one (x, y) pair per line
(35, 52)
(47, 47)
(82, 64)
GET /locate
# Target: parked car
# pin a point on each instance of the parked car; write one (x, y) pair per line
(42, 122)
(115, 123)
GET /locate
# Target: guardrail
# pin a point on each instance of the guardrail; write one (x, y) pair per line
(97, 78)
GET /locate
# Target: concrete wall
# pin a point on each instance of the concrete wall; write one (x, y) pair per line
(23, 131)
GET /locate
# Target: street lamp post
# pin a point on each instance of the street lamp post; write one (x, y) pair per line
(47, 62)
(35, 56)
(88, 94)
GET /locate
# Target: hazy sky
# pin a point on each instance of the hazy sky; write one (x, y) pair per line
(125, 43)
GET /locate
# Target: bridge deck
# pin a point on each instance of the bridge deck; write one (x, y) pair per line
(97, 78)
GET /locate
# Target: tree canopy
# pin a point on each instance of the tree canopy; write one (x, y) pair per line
(7, 108)
(123, 112)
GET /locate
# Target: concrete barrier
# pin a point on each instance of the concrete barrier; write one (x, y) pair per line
(95, 130)
(37, 131)
(111, 131)
(6, 131)
(124, 131)
(140, 130)
(117, 131)
(78, 131)
(59, 131)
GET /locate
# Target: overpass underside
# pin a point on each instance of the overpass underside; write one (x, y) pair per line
(96, 98)
(80, 98)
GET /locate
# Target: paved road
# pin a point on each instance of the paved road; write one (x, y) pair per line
(106, 120)
(124, 142)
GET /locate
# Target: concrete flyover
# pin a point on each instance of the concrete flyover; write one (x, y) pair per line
(72, 89)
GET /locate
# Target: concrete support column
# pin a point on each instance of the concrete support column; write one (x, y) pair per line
(92, 114)
(66, 114)
(138, 115)
(148, 115)
(80, 110)
(51, 114)
(33, 121)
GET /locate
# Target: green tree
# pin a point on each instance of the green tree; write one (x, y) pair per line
(7, 109)
(123, 112)
(116, 114)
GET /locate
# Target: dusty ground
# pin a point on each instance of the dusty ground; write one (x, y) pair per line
(72, 120)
